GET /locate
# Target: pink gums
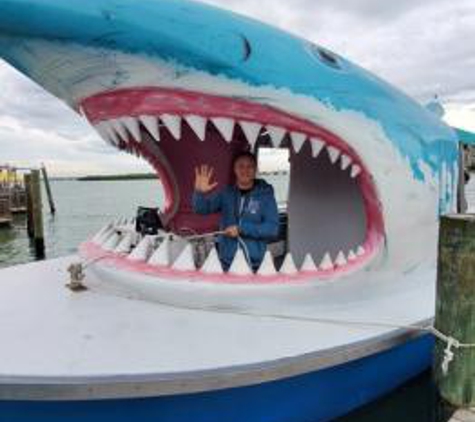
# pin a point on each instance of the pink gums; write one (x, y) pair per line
(154, 101)
(92, 252)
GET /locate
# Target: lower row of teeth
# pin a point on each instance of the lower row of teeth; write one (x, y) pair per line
(121, 238)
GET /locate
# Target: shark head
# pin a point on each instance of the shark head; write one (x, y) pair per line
(179, 83)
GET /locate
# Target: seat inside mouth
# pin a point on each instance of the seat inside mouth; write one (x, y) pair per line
(330, 224)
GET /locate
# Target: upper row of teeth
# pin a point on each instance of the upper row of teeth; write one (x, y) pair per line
(146, 250)
(117, 130)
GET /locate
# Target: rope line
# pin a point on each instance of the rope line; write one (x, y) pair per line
(452, 344)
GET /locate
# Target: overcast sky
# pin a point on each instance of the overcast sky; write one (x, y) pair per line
(424, 47)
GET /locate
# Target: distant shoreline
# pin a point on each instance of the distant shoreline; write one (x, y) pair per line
(143, 176)
(118, 177)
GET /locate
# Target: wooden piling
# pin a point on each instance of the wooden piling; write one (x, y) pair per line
(29, 206)
(37, 214)
(49, 194)
(455, 312)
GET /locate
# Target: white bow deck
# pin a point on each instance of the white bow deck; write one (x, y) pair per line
(52, 336)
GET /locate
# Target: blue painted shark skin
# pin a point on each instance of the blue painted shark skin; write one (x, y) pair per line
(217, 42)
(80, 48)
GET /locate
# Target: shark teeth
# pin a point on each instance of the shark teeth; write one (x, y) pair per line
(173, 124)
(106, 235)
(326, 264)
(345, 161)
(298, 140)
(288, 266)
(239, 265)
(143, 250)
(251, 131)
(132, 126)
(267, 266)
(119, 129)
(333, 153)
(341, 259)
(120, 238)
(308, 264)
(111, 242)
(225, 127)
(276, 134)
(100, 234)
(317, 146)
(151, 124)
(212, 264)
(355, 171)
(161, 257)
(198, 124)
(125, 245)
(107, 133)
(124, 129)
(185, 261)
(127, 131)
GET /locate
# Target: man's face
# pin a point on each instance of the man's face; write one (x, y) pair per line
(245, 171)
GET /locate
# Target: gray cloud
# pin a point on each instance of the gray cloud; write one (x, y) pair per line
(424, 47)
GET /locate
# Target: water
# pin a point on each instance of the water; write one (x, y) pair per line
(84, 207)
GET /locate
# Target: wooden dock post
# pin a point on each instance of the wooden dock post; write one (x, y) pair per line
(52, 207)
(455, 313)
(29, 206)
(37, 213)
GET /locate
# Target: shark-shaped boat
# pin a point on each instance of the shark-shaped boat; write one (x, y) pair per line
(163, 333)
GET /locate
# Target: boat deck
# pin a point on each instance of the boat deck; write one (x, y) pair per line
(53, 337)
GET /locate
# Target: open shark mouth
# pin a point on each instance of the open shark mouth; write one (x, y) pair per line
(333, 223)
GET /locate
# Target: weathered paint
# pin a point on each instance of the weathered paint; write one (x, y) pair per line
(178, 45)
(85, 49)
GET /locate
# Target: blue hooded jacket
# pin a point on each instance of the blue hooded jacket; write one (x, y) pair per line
(255, 213)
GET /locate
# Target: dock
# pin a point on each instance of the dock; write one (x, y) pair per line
(12, 192)
(18, 200)
(5, 210)
(20, 193)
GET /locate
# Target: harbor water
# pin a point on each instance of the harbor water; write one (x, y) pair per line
(84, 207)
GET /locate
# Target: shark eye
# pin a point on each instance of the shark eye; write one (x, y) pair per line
(325, 56)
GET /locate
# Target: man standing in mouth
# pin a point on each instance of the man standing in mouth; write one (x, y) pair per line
(248, 210)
